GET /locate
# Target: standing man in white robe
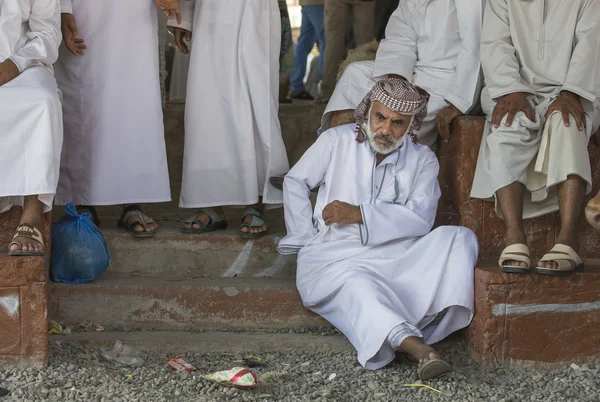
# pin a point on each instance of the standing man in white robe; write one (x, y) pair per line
(432, 44)
(114, 151)
(540, 60)
(367, 261)
(30, 115)
(233, 139)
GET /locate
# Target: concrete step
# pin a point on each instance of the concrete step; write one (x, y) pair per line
(179, 342)
(176, 255)
(165, 303)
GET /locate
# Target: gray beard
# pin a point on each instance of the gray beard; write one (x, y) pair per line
(371, 137)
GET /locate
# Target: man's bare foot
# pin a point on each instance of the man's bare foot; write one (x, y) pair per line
(32, 215)
(204, 218)
(515, 237)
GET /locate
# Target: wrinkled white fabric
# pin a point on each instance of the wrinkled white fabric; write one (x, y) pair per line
(539, 48)
(433, 44)
(367, 279)
(233, 140)
(30, 112)
(114, 149)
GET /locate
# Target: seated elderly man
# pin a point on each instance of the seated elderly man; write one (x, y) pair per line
(367, 261)
(543, 105)
(30, 115)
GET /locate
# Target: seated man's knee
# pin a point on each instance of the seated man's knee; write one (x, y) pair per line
(351, 70)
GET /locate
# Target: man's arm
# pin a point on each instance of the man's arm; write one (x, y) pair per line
(309, 172)
(387, 222)
(498, 55)
(397, 54)
(66, 6)
(583, 77)
(468, 65)
(187, 15)
(43, 38)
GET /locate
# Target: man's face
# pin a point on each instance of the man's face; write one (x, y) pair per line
(386, 129)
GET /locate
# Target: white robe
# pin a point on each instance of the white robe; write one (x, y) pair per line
(114, 150)
(433, 44)
(538, 48)
(233, 141)
(30, 111)
(368, 278)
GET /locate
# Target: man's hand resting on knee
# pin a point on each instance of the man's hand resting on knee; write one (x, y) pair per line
(567, 104)
(341, 213)
(8, 71)
(170, 8)
(510, 105)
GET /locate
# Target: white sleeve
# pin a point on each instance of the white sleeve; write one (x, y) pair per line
(501, 67)
(467, 77)
(583, 76)
(397, 53)
(66, 6)
(309, 172)
(187, 15)
(387, 222)
(43, 38)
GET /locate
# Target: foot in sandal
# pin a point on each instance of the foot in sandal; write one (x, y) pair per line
(253, 224)
(28, 239)
(515, 258)
(562, 260)
(431, 364)
(136, 222)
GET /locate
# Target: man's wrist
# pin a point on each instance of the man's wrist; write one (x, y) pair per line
(569, 94)
(9, 69)
(358, 218)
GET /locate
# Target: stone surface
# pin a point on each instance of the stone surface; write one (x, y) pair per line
(458, 159)
(23, 299)
(193, 303)
(522, 319)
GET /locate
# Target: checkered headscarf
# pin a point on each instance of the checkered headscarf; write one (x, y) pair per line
(399, 96)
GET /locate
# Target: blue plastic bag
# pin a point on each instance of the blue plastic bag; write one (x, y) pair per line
(79, 252)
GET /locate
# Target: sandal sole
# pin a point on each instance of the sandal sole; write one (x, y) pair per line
(516, 270)
(433, 369)
(25, 254)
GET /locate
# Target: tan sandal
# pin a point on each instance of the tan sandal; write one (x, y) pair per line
(28, 231)
(567, 259)
(516, 252)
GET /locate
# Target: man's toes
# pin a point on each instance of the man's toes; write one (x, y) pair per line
(245, 229)
(15, 247)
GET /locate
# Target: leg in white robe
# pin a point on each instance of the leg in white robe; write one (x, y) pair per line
(114, 149)
(233, 140)
(31, 136)
(366, 297)
(356, 81)
(540, 155)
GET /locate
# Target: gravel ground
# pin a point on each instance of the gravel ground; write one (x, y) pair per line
(79, 373)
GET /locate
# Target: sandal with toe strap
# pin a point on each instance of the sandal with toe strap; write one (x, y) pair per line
(258, 220)
(433, 368)
(28, 231)
(131, 211)
(567, 259)
(516, 252)
(215, 223)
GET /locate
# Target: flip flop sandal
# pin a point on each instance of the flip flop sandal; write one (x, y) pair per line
(131, 211)
(258, 220)
(515, 252)
(92, 211)
(433, 368)
(28, 231)
(277, 182)
(567, 259)
(215, 223)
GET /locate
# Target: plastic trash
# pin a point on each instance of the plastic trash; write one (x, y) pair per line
(237, 377)
(179, 364)
(124, 355)
(79, 252)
